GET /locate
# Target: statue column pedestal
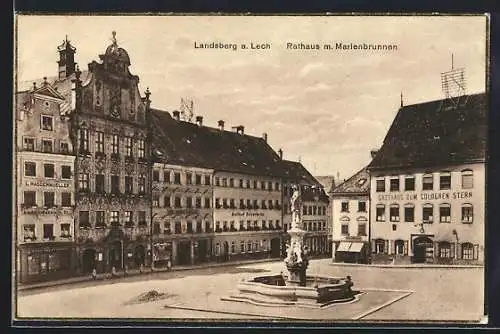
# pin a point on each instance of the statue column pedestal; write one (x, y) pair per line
(296, 262)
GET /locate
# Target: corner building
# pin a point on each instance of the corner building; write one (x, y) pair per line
(45, 185)
(110, 134)
(428, 184)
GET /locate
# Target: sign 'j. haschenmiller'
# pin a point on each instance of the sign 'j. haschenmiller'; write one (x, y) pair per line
(47, 184)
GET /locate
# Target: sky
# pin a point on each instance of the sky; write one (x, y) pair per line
(328, 108)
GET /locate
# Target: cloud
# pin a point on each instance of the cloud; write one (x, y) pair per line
(311, 67)
(320, 86)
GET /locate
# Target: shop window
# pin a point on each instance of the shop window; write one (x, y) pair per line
(427, 182)
(467, 251)
(399, 246)
(445, 213)
(409, 183)
(427, 213)
(49, 170)
(380, 213)
(467, 179)
(29, 169)
(467, 213)
(409, 213)
(33, 264)
(394, 184)
(380, 185)
(48, 231)
(445, 181)
(66, 172)
(444, 250)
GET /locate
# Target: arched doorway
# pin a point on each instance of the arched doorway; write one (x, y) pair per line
(88, 260)
(421, 245)
(140, 255)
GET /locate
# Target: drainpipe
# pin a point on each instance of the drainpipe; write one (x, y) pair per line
(149, 185)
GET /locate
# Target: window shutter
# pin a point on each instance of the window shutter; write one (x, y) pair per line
(405, 250)
(373, 246)
(386, 247)
(452, 250)
(436, 250)
(476, 252)
(459, 251)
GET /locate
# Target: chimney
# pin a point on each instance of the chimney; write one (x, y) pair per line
(280, 152)
(221, 125)
(199, 120)
(373, 153)
(240, 129)
(176, 114)
(264, 136)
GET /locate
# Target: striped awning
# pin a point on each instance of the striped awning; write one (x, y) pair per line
(344, 247)
(351, 247)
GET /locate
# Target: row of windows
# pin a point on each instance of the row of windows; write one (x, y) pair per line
(344, 229)
(467, 182)
(114, 219)
(245, 247)
(46, 145)
(313, 226)
(180, 202)
(49, 199)
(248, 204)
(115, 184)
(344, 206)
(179, 228)
(230, 182)
(29, 231)
(467, 213)
(49, 170)
(256, 225)
(190, 178)
(445, 249)
(116, 140)
(313, 210)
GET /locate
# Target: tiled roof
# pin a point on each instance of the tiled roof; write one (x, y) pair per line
(295, 171)
(313, 193)
(186, 143)
(435, 134)
(359, 183)
(327, 181)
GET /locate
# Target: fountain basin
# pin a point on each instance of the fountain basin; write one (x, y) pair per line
(273, 291)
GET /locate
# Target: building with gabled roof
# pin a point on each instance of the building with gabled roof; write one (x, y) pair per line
(350, 203)
(428, 183)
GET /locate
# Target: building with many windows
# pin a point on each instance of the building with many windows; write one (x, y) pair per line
(428, 183)
(45, 185)
(315, 207)
(235, 211)
(350, 204)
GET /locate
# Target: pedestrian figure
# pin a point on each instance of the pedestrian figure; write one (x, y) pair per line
(141, 268)
(393, 260)
(113, 271)
(94, 274)
(125, 271)
(169, 265)
(349, 283)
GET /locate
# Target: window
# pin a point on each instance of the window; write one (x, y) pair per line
(156, 200)
(242, 247)
(128, 218)
(115, 184)
(29, 144)
(29, 169)
(399, 247)
(99, 142)
(198, 202)
(156, 228)
(467, 213)
(224, 182)
(263, 185)
(129, 189)
(427, 213)
(48, 231)
(207, 180)
(361, 229)
(177, 178)
(381, 185)
(140, 148)
(249, 246)
(166, 177)
(241, 183)
(270, 204)
(167, 228)
(128, 147)
(409, 213)
(84, 141)
(248, 184)
(114, 218)
(379, 246)
(217, 182)
(409, 183)
(255, 204)
(48, 199)
(189, 202)
(361, 207)
(255, 184)
(380, 213)
(29, 232)
(444, 250)
(177, 202)
(99, 183)
(47, 146)
(277, 186)
(344, 229)
(156, 176)
(207, 203)
(249, 204)
(394, 213)
(66, 199)
(64, 147)
(142, 184)
(83, 182)
(467, 251)
(29, 198)
(304, 210)
(198, 179)
(141, 217)
(48, 170)
(467, 179)
(394, 184)
(344, 207)
(115, 144)
(427, 182)
(263, 204)
(99, 219)
(198, 227)
(47, 123)
(189, 178)
(65, 230)
(66, 172)
(445, 181)
(84, 219)
(177, 227)
(231, 183)
(445, 213)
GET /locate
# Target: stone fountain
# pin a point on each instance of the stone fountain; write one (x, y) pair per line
(297, 288)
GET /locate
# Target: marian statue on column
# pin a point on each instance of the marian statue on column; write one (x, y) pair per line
(295, 201)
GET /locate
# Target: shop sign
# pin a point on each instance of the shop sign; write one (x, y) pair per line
(46, 183)
(425, 196)
(247, 214)
(99, 256)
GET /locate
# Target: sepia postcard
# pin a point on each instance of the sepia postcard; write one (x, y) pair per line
(256, 168)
